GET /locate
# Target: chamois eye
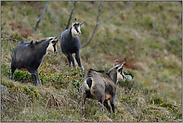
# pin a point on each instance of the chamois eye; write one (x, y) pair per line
(54, 42)
(119, 70)
(76, 28)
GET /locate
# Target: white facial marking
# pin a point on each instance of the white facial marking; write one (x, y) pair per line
(74, 32)
(120, 75)
(50, 48)
(79, 29)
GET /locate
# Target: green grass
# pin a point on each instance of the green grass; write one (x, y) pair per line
(146, 35)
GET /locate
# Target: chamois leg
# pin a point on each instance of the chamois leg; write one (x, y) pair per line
(72, 60)
(107, 106)
(35, 76)
(83, 102)
(12, 72)
(84, 99)
(101, 100)
(69, 60)
(113, 105)
(77, 57)
(34, 79)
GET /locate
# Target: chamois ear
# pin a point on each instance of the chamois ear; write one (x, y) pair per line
(74, 21)
(115, 62)
(31, 44)
(81, 23)
(36, 42)
(54, 42)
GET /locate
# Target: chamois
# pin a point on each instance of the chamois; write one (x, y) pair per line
(101, 86)
(29, 56)
(70, 43)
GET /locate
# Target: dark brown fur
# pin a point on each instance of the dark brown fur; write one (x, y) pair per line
(29, 56)
(101, 86)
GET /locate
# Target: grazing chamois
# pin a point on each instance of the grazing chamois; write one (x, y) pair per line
(29, 56)
(101, 86)
(70, 43)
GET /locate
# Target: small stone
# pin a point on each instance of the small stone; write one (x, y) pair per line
(4, 90)
(129, 77)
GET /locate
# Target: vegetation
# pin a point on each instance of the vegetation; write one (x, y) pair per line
(146, 35)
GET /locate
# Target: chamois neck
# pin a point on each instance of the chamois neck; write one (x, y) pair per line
(70, 30)
(41, 48)
(70, 33)
(113, 75)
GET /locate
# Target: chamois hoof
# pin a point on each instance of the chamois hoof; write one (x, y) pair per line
(82, 68)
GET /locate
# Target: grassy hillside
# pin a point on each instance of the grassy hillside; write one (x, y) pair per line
(146, 35)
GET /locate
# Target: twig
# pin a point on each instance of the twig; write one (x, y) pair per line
(70, 17)
(115, 13)
(58, 25)
(98, 23)
(35, 28)
(91, 36)
(97, 20)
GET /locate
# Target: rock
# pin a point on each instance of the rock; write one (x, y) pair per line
(129, 77)
(4, 90)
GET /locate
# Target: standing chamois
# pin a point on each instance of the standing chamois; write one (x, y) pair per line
(29, 56)
(70, 43)
(101, 86)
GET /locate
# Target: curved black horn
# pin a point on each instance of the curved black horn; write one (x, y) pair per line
(82, 23)
(115, 62)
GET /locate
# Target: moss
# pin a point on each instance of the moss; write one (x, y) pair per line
(36, 92)
(10, 85)
(26, 89)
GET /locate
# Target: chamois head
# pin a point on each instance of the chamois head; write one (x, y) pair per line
(120, 74)
(52, 44)
(76, 28)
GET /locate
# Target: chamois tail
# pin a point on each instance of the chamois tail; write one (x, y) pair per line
(89, 82)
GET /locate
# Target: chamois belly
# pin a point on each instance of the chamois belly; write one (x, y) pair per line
(23, 69)
(107, 97)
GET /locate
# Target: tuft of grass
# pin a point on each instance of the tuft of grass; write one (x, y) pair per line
(173, 47)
